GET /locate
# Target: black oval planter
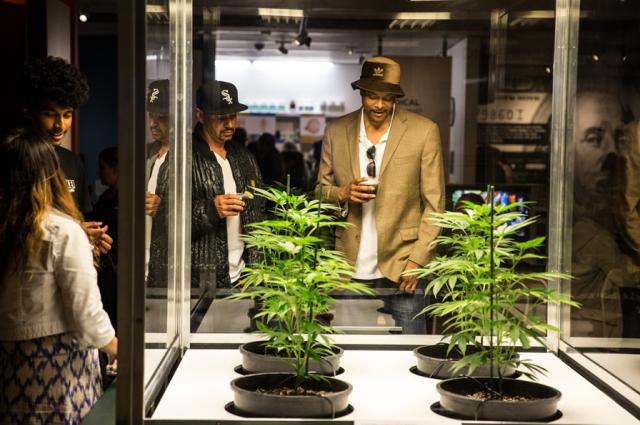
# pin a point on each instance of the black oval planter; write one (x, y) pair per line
(542, 404)
(433, 361)
(256, 360)
(259, 404)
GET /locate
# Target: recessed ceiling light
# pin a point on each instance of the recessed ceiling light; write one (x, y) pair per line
(431, 16)
(293, 13)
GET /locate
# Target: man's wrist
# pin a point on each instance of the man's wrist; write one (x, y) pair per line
(342, 196)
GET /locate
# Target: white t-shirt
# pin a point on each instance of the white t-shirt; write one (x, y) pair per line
(367, 260)
(152, 185)
(234, 244)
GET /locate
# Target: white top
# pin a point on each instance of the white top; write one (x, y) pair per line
(367, 260)
(152, 185)
(58, 291)
(234, 244)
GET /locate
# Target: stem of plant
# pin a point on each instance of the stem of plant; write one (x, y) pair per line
(492, 277)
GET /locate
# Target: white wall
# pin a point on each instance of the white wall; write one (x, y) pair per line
(278, 83)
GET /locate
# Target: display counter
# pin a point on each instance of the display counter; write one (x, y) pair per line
(385, 391)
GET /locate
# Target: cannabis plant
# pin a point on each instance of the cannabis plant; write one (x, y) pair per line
(488, 301)
(296, 277)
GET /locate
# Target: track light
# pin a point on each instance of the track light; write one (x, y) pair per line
(303, 38)
(283, 49)
(259, 45)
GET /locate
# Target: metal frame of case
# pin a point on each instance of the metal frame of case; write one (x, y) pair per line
(134, 398)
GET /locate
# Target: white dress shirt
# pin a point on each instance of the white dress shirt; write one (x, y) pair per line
(367, 260)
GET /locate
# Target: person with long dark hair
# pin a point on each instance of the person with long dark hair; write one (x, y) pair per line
(51, 315)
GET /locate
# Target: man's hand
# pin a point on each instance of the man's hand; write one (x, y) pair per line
(409, 283)
(105, 243)
(356, 192)
(98, 236)
(151, 203)
(228, 205)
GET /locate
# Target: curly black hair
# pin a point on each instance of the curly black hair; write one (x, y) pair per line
(53, 79)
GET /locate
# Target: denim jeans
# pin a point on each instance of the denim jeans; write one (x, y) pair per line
(403, 305)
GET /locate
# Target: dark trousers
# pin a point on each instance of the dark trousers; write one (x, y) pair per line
(403, 306)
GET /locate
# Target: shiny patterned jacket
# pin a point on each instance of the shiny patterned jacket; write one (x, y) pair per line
(209, 252)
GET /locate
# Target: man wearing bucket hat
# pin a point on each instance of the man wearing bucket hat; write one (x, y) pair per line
(156, 226)
(222, 172)
(383, 164)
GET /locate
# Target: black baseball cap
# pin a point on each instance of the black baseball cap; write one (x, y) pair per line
(158, 97)
(219, 98)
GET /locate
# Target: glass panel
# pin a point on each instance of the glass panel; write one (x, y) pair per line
(168, 105)
(606, 237)
(481, 72)
(160, 329)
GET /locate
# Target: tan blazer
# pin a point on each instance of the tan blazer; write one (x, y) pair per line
(411, 185)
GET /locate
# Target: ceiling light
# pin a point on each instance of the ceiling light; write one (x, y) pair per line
(283, 49)
(155, 8)
(292, 13)
(83, 17)
(436, 16)
(595, 57)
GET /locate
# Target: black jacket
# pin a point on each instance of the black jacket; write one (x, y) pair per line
(209, 252)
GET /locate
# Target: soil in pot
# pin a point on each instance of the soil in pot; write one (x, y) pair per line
(277, 395)
(256, 358)
(522, 400)
(434, 362)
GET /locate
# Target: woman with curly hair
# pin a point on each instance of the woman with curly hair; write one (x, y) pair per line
(51, 315)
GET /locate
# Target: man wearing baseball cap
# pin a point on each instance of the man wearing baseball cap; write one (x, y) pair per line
(383, 164)
(156, 225)
(222, 172)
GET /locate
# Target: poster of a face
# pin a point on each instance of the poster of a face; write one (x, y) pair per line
(598, 128)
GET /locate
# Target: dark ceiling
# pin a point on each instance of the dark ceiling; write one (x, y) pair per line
(342, 30)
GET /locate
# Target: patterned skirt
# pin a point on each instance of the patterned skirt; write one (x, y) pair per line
(48, 380)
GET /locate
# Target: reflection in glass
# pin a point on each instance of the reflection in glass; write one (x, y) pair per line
(605, 234)
(159, 331)
(487, 86)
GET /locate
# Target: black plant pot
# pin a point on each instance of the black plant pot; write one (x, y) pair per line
(541, 402)
(256, 359)
(251, 402)
(434, 362)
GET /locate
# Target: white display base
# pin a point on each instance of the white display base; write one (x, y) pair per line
(385, 392)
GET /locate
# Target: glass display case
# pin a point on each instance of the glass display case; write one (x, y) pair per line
(542, 101)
